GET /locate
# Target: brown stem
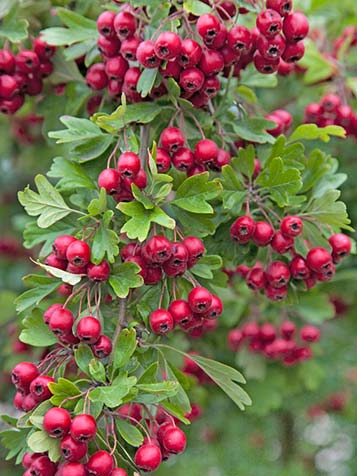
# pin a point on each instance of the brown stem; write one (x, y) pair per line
(287, 436)
(144, 143)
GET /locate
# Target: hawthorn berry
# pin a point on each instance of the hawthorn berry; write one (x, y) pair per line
(55, 262)
(190, 53)
(239, 38)
(129, 48)
(282, 243)
(341, 245)
(295, 27)
(161, 321)
(235, 339)
(103, 347)
(96, 77)
(196, 249)
(271, 48)
(211, 62)
(61, 321)
(105, 24)
(319, 259)
(73, 469)
(287, 329)
(124, 24)
(157, 250)
(98, 272)
(183, 159)
(283, 7)
(167, 45)
(129, 164)
(88, 329)
(277, 274)
(174, 440)
(109, 179)
(78, 253)
(263, 233)
(200, 300)
(119, 472)
(116, 68)
(208, 27)
(192, 79)
(172, 139)
(215, 309)
(276, 294)
(293, 52)
(310, 333)
(27, 61)
(264, 65)
(146, 55)
(256, 279)
(108, 47)
(57, 422)
(60, 245)
(39, 388)
(242, 229)
(148, 457)
(269, 23)
(23, 374)
(7, 62)
(181, 312)
(43, 466)
(83, 428)
(72, 450)
(163, 160)
(299, 268)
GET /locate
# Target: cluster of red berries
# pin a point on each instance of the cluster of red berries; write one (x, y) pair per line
(11, 248)
(201, 305)
(27, 130)
(23, 74)
(350, 32)
(331, 111)
(317, 266)
(117, 182)
(206, 155)
(159, 255)
(280, 344)
(283, 120)
(72, 255)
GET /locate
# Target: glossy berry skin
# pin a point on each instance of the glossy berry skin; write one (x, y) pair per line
(196, 249)
(265, 66)
(172, 139)
(55, 262)
(281, 243)
(153, 275)
(73, 469)
(42, 466)
(211, 62)
(215, 309)
(148, 457)
(200, 300)
(116, 68)
(287, 329)
(341, 245)
(255, 279)
(129, 164)
(293, 52)
(83, 428)
(61, 321)
(277, 274)
(105, 24)
(269, 23)
(192, 79)
(119, 472)
(179, 254)
(174, 440)
(291, 226)
(146, 55)
(309, 333)
(283, 7)
(39, 388)
(57, 422)
(167, 45)
(78, 253)
(89, 329)
(242, 229)
(271, 48)
(157, 250)
(163, 160)
(318, 259)
(124, 24)
(49, 311)
(295, 27)
(235, 339)
(129, 47)
(206, 150)
(263, 233)
(109, 179)
(60, 245)
(108, 47)
(23, 374)
(180, 311)
(96, 77)
(239, 39)
(161, 321)
(98, 272)
(103, 347)
(276, 294)
(190, 54)
(8, 86)
(299, 268)
(183, 159)
(7, 62)
(72, 450)
(27, 61)
(208, 27)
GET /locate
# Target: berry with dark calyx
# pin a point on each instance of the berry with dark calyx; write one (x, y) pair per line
(23, 374)
(163, 160)
(161, 321)
(57, 422)
(287, 329)
(29, 458)
(83, 428)
(129, 47)
(9, 86)
(46, 69)
(61, 321)
(96, 77)
(10, 106)
(124, 24)
(76, 269)
(129, 164)
(283, 7)
(265, 66)
(327, 274)
(210, 89)
(146, 55)
(319, 259)
(98, 272)
(256, 279)
(263, 233)
(276, 294)
(206, 150)
(148, 457)
(239, 38)
(27, 61)
(179, 254)
(269, 23)
(242, 229)
(116, 68)
(29, 403)
(108, 47)
(157, 250)
(167, 45)
(88, 329)
(208, 27)
(172, 139)
(78, 253)
(153, 275)
(183, 159)
(65, 289)
(277, 274)
(43, 466)
(141, 179)
(103, 347)
(191, 79)
(55, 262)
(39, 388)
(341, 245)
(170, 69)
(130, 249)
(73, 469)
(215, 309)
(235, 339)
(196, 249)
(271, 48)
(105, 24)
(174, 440)
(7, 62)
(294, 52)
(330, 103)
(60, 245)
(223, 158)
(190, 54)
(299, 268)
(181, 312)
(72, 450)
(295, 27)
(291, 226)
(281, 243)
(109, 179)
(309, 333)
(211, 62)
(200, 300)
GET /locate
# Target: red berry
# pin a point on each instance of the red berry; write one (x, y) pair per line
(183, 159)
(242, 229)
(134, 410)
(78, 253)
(179, 254)
(255, 279)
(153, 275)
(215, 309)
(172, 139)
(72, 450)
(294, 52)
(60, 245)
(211, 62)
(10, 106)
(341, 245)
(61, 321)
(210, 89)
(192, 79)
(39, 388)
(43, 466)
(283, 7)
(287, 329)
(281, 243)
(206, 150)
(157, 250)
(119, 472)
(105, 24)
(200, 300)
(239, 39)
(116, 68)
(251, 330)
(83, 428)
(141, 179)
(27, 61)
(148, 457)
(73, 469)
(124, 24)
(277, 274)
(171, 69)
(7, 62)
(299, 268)
(98, 272)
(56, 422)
(146, 54)
(19, 401)
(96, 77)
(55, 262)
(161, 321)
(130, 249)
(276, 294)
(269, 23)
(103, 347)
(190, 54)
(330, 103)
(109, 179)
(310, 333)
(195, 249)
(89, 329)
(174, 440)
(234, 339)
(23, 374)
(129, 47)
(9, 86)
(263, 233)
(319, 259)
(271, 48)
(295, 27)
(129, 164)
(167, 45)
(291, 226)
(108, 47)
(181, 312)
(264, 65)
(163, 160)
(208, 27)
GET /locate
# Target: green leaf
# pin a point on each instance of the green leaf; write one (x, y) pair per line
(156, 392)
(252, 78)
(279, 183)
(33, 235)
(206, 264)
(41, 442)
(97, 370)
(124, 348)
(83, 356)
(313, 132)
(47, 204)
(138, 226)
(98, 205)
(146, 81)
(194, 192)
(245, 161)
(7, 305)
(196, 7)
(65, 276)
(129, 432)
(150, 374)
(327, 209)
(33, 297)
(15, 442)
(247, 94)
(318, 67)
(112, 396)
(196, 224)
(315, 308)
(12, 27)
(71, 175)
(35, 331)
(62, 390)
(105, 241)
(254, 130)
(180, 399)
(126, 277)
